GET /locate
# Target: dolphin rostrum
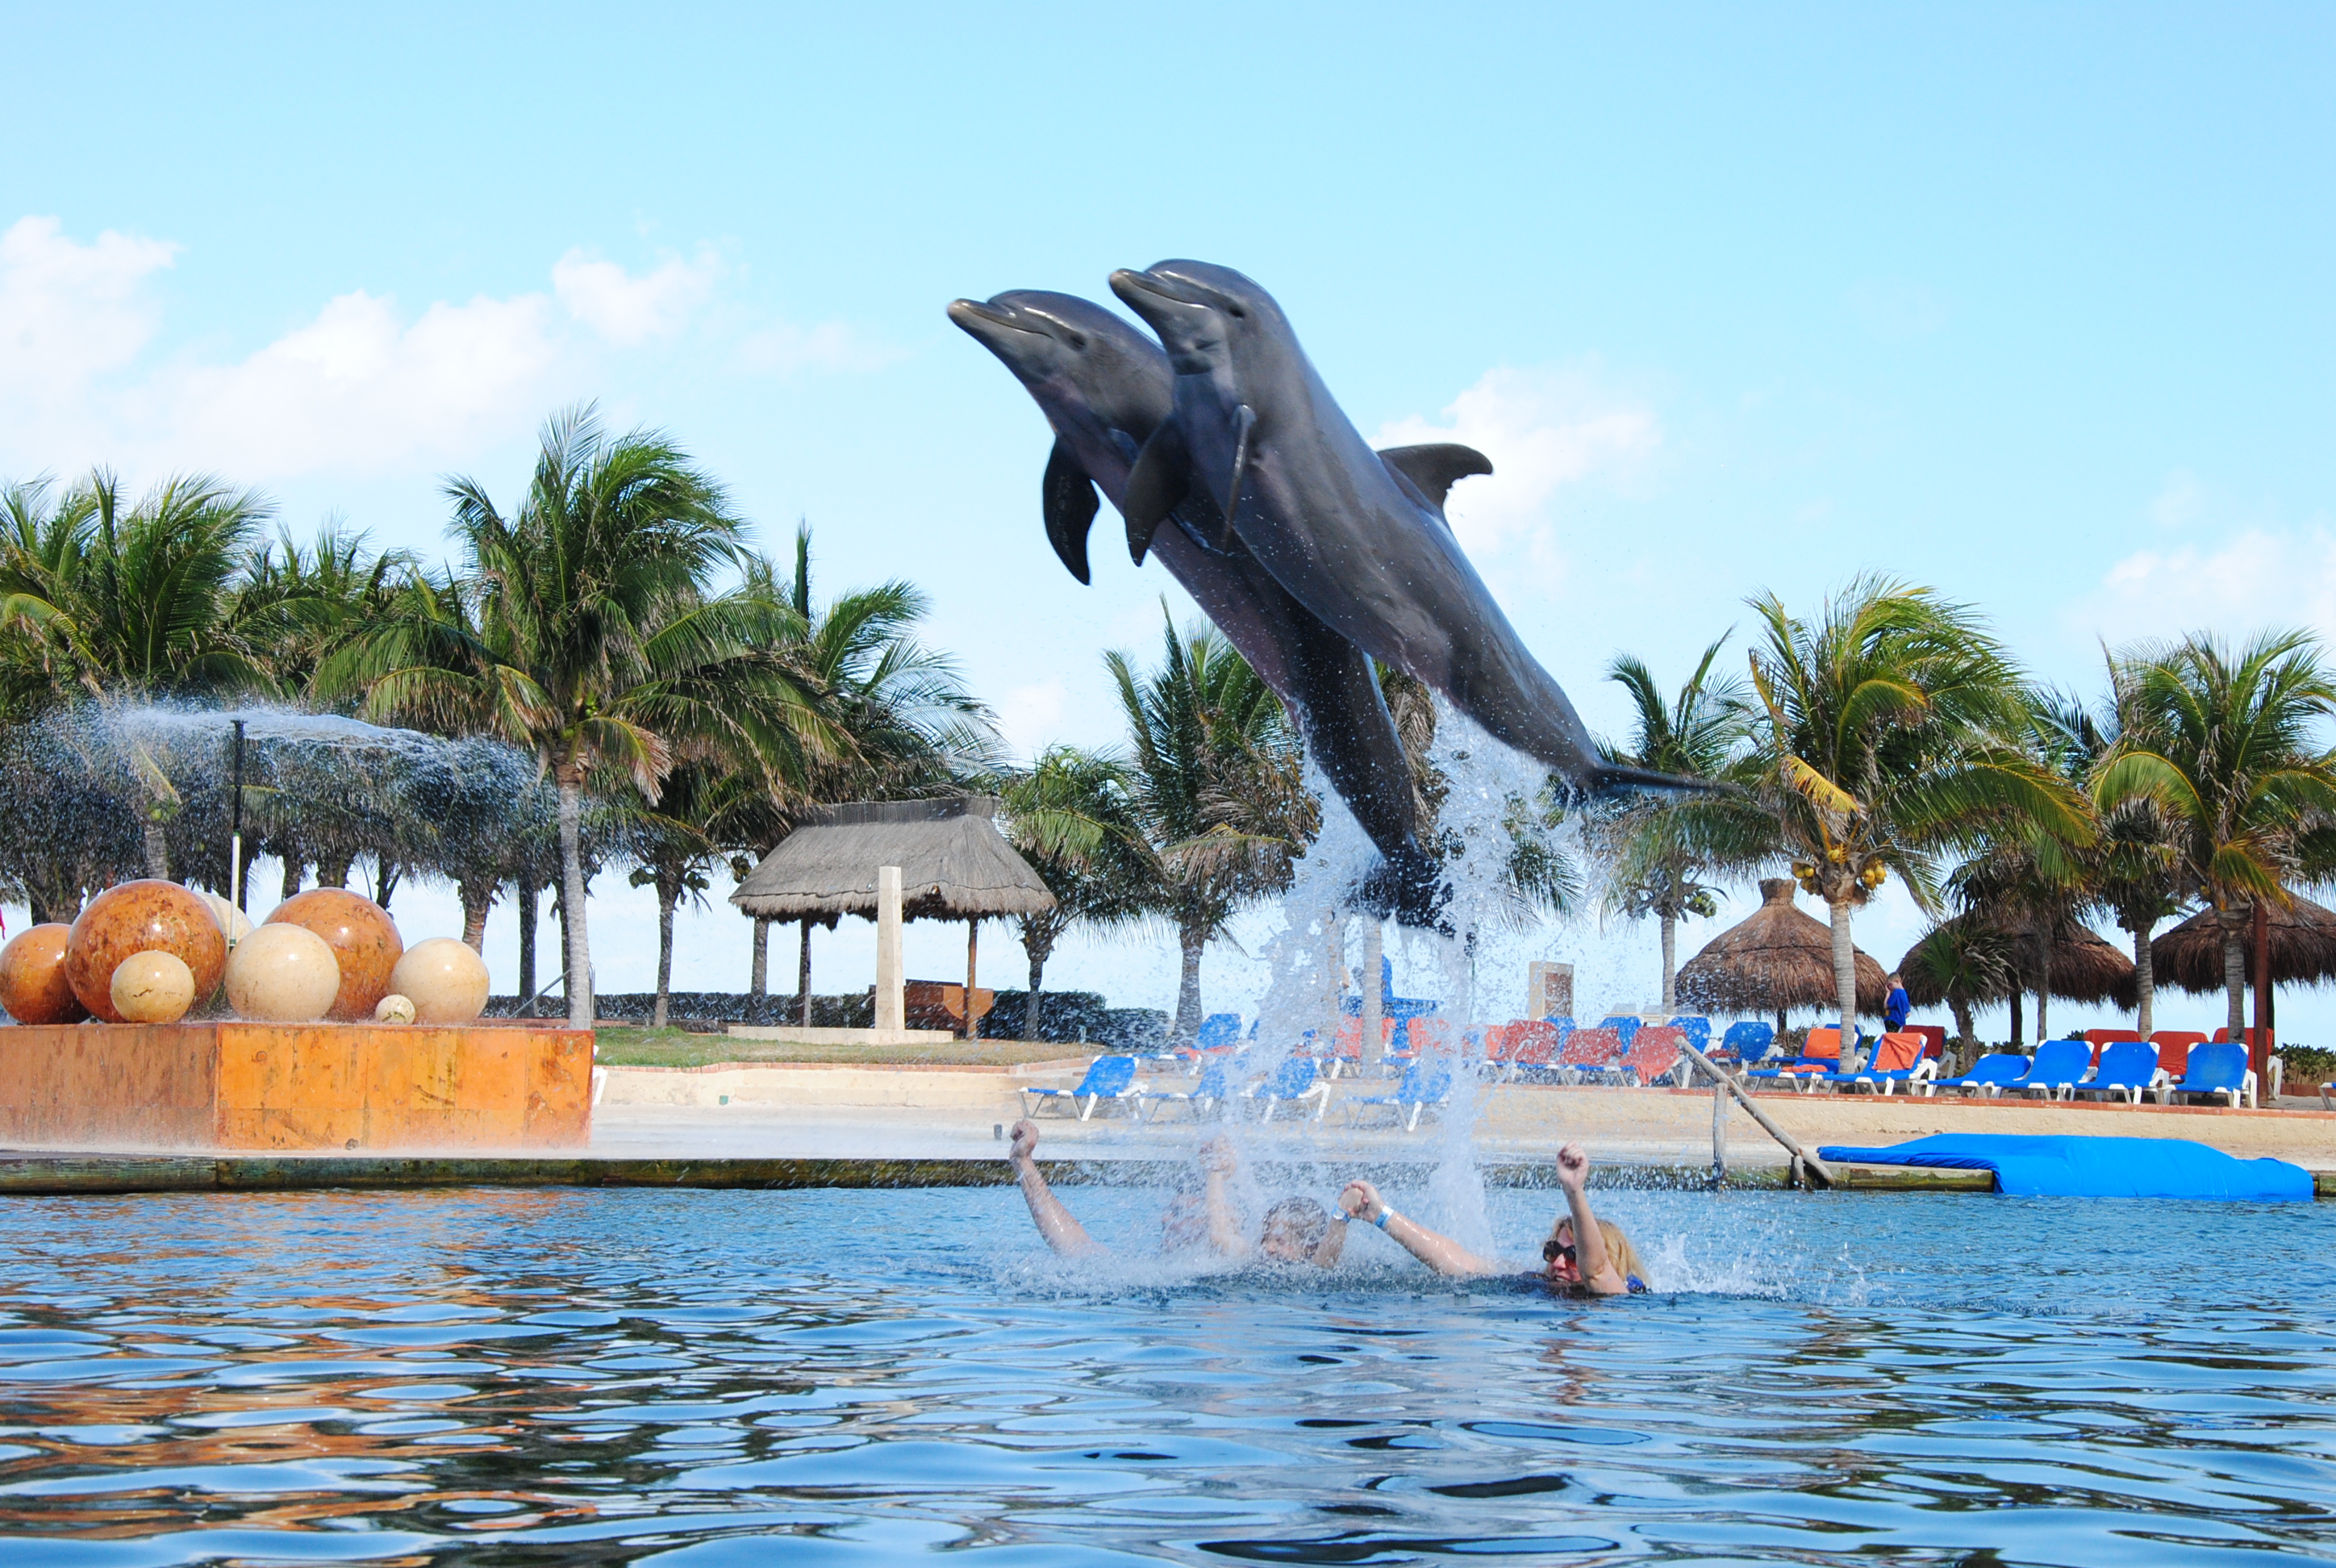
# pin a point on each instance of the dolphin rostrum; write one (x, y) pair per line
(1359, 541)
(1105, 389)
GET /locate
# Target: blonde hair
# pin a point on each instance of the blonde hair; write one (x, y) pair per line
(1618, 1250)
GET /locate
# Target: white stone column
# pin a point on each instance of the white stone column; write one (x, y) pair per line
(892, 981)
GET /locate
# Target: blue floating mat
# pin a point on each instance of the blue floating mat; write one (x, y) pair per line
(2071, 1167)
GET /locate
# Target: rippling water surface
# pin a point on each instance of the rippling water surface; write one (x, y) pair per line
(866, 1378)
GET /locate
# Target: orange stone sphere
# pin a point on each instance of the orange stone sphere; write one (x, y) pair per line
(364, 940)
(33, 985)
(147, 916)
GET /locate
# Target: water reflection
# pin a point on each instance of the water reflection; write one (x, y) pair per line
(861, 1376)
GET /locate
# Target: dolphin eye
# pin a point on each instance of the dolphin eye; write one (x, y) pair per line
(1236, 312)
(1076, 339)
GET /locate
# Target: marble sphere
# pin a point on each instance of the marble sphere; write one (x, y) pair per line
(394, 1008)
(364, 940)
(446, 981)
(147, 916)
(33, 984)
(282, 974)
(152, 988)
(232, 920)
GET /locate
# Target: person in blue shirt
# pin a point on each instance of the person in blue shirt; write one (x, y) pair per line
(1895, 1009)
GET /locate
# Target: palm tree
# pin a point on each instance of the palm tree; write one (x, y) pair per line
(585, 629)
(114, 602)
(2223, 743)
(1071, 817)
(1216, 783)
(1965, 961)
(706, 809)
(1659, 850)
(1892, 729)
(297, 604)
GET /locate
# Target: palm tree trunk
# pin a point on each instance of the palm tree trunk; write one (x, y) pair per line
(2017, 1033)
(387, 874)
(1039, 946)
(1961, 1009)
(2043, 986)
(575, 941)
(667, 898)
(758, 975)
(1188, 990)
(158, 851)
(478, 896)
(1670, 962)
(1844, 971)
(2144, 980)
(527, 921)
(334, 874)
(2234, 967)
(296, 871)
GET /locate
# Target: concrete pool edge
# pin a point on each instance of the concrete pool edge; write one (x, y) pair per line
(100, 1174)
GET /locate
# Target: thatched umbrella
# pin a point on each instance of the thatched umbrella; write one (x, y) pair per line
(1777, 959)
(954, 865)
(2084, 968)
(2303, 949)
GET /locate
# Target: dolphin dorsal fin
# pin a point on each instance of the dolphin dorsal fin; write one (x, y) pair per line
(1068, 493)
(1437, 466)
(1156, 486)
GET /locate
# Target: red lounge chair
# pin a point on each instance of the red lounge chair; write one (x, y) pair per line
(1654, 1052)
(2173, 1049)
(1590, 1052)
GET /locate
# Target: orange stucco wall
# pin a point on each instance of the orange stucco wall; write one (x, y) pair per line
(235, 1086)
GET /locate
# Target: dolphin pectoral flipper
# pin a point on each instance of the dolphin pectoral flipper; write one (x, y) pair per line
(1070, 503)
(1437, 466)
(1244, 427)
(1156, 486)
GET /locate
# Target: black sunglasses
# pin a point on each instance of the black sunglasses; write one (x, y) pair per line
(1553, 1250)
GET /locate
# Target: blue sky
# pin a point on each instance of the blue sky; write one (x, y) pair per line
(2032, 305)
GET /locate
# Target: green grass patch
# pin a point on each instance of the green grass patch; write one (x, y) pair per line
(631, 1046)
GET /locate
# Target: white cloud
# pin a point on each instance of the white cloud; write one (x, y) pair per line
(1544, 429)
(363, 385)
(360, 387)
(2257, 578)
(628, 310)
(1031, 717)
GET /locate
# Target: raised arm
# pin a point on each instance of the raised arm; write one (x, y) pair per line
(1439, 1253)
(1217, 1163)
(1063, 1233)
(1598, 1275)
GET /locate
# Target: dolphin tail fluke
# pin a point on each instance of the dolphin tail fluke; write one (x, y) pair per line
(1613, 778)
(1156, 486)
(1070, 508)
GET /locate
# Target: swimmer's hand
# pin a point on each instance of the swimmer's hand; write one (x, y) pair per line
(1025, 1139)
(1361, 1200)
(1572, 1167)
(1217, 1157)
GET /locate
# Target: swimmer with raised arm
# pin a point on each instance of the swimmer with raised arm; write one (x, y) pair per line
(1296, 1230)
(1583, 1256)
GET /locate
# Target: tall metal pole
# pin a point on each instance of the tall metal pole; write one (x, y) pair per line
(235, 841)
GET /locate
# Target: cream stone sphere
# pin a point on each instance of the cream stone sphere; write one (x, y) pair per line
(282, 975)
(232, 920)
(446, 981)
(394, 1008)
(152, 988)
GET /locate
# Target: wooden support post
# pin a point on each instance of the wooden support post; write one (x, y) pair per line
(972, 966)
(892, 981)
(1374, 997)
(803, 975)
(758, 974)
(1718, 1133)
(1803, 1161)
(2259, 1048)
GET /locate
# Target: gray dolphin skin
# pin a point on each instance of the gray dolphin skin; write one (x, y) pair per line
(1360, 542)
(1105, 388)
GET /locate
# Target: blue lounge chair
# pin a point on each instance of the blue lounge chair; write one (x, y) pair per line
(2058, 1067)
(2219, 1068)
(1622, 1024)
(1990, 1076)
(1421, 1088)
(1208, 1094)
(1296, 1080)
(1697, 1030)
(1748, 1040)
(1109, 1079)
(2127, 1068)
(1218, 1029)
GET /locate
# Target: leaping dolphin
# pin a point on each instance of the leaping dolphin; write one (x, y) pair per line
(1362, 542)
(1105, 388)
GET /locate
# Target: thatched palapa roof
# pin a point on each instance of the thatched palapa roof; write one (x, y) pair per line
(2303, 949)
(1777, 959)
(954, 863)
(2085, 967)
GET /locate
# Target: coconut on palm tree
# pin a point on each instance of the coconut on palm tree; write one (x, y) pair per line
(2224, 742)
(1659, 851)
(1892, 726)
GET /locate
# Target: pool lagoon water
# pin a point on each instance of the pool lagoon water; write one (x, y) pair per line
(850, 1377)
